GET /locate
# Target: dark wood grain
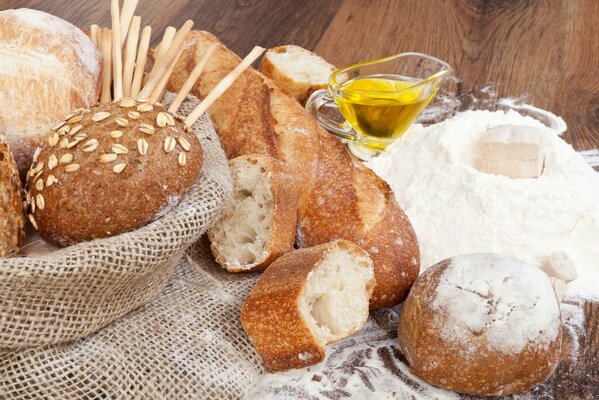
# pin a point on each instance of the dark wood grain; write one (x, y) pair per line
(547, 51)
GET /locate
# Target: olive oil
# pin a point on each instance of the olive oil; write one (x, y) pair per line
(382, 107)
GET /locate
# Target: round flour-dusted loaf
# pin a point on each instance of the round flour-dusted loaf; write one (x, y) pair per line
(48, 68)
(12, 220)
(109, 170)
(483, 324)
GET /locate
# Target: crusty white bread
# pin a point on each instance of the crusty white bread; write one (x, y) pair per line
(296, 70)
(339, 198)
(307, 299)
(48, 68)
(12, 220)
(258, 226)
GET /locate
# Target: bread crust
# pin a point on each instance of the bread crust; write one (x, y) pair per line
(301, 91)
(96, 201)
(484, 372)
(339, 198)
(12, 220)
(271, 317)
(284, 218)
(48, 68)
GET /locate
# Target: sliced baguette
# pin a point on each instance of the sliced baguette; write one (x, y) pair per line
(297, 70)
(307, 299)
(259, 224)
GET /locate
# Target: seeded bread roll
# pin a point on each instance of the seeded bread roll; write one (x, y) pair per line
(307, 299)
(109, 170)
(482, 324)
(12, 220)
(259, 224)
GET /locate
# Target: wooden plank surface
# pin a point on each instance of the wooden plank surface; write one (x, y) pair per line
(547, 51)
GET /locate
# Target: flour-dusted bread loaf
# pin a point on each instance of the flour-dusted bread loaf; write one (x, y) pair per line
(482, 324)
(48, 68)
(297, 70)
(110, 169)
(339, 198)
(258, 226)
(305, 300)
(12, 219)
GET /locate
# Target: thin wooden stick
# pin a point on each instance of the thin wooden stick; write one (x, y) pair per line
(140, 64)
(130, 52)
(161, 68)
(93, 34)
(222, 86)
(117, 66)
(127, 12)
(161, 85)
(165, 43)
(192, 78)
(106, 64)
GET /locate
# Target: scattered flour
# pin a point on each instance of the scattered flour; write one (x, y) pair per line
(456, 209)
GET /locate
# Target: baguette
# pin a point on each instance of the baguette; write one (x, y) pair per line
(12, 220)
(259, 225)
(305, 300)
(296, 70)
(339, 198)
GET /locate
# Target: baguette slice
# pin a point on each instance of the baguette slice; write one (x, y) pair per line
(307, 299)
(297, 70)
(259, 224)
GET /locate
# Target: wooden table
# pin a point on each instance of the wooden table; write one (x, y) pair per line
(548, 51)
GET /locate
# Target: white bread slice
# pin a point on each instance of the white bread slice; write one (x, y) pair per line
(307, 299)
(259, 224)
(296, 70)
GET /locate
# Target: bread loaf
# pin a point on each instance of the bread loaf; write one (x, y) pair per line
(12, 220)
(481, 324)
(338, 196)
(296, 70)
(48, 68)
(258, 226)
(305, 300)
(110, 169)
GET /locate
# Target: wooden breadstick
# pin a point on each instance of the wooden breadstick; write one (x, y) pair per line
(130, 52)
(161, 68)
(127, 12)
(93, 34)
(106, 64)
(165, 44)
(159, 89)
(192, 78)
(117, 63)
(222, 86)
(140, 64)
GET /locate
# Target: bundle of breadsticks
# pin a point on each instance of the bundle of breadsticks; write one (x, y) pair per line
(122, 163)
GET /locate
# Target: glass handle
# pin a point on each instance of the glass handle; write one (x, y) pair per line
(323, 98)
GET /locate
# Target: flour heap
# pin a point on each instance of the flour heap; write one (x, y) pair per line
(455, 209)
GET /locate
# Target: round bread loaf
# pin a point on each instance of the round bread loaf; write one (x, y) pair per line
(48, 68)
(109, 170)
(482, 324)
(12, 220)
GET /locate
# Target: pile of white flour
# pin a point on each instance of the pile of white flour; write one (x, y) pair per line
(457, 210)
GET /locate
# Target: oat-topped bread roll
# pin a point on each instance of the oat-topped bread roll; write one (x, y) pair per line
(307, 299)
(12, 219)
(258, 226)
(338, 196)
(110, 170)
(48, 68)
(482, 324)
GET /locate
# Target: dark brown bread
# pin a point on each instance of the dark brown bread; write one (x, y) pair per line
(109, 170)
(12, 220)
(338, 196)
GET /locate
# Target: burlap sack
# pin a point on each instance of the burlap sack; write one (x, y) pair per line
(72, 292)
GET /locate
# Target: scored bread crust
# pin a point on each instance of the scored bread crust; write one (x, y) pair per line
(284, 215)
(271, 314)
(301, 91)
(12, 220)
(493, 373)
(339, 198)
